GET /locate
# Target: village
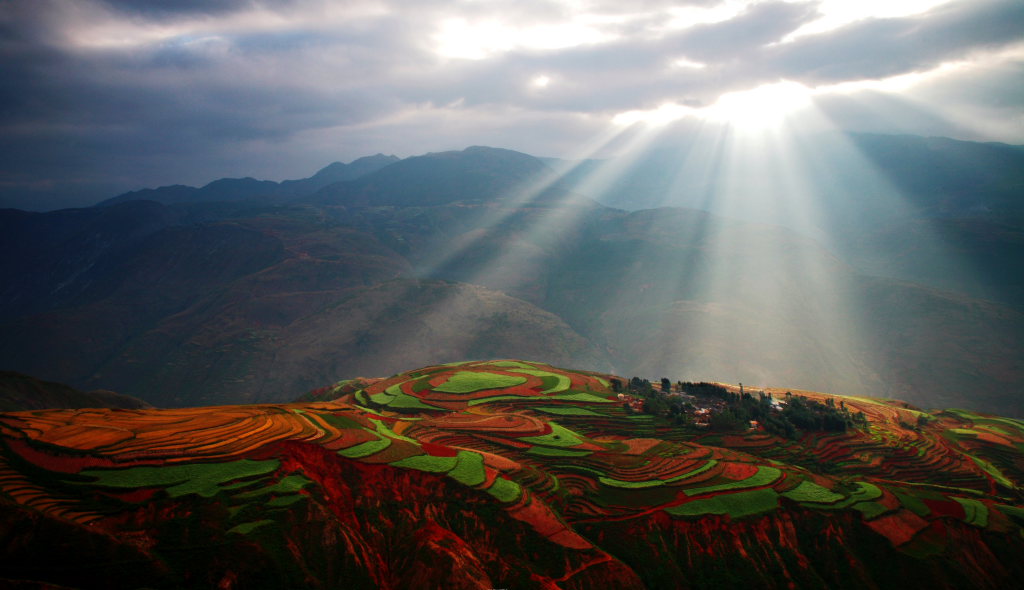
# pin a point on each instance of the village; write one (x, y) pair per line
(718, 407)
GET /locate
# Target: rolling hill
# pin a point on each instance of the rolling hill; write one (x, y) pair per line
(508, 474)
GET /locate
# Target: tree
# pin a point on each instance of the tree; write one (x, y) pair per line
(725, 421)
(655, 405)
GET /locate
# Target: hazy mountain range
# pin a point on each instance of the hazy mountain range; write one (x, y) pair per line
(247, 290)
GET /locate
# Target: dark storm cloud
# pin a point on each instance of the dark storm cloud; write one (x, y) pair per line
(883, 48)
(162, 8)
(101, 94)
(77, 121)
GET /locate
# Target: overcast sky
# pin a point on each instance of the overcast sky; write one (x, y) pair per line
(102, 96)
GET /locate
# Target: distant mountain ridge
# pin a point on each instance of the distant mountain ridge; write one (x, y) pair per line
(485, 250)
(476, 173)
(235, 189)
(21, 392)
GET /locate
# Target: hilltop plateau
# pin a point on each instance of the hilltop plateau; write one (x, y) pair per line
(514, 474)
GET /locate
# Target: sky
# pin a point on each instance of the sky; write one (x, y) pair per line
(98, 97)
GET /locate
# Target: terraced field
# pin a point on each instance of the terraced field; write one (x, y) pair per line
(514, 474)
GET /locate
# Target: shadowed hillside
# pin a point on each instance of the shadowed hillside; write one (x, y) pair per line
(484, 252)
(20, 392)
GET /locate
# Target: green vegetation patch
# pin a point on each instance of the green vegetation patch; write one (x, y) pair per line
(429, 463)
(582, 396)
(559, 436)
(557, 382)
(366, 449)
(405, 401)
(204, 479)
(865, 492)
(963, 414)
(470, 381)
(808, 491)
(247, 527)
(763, 477)
(617, 483)
(870, 510)
(393, 397)
(570, 411)
(736, 505)
(421, 385)
(283, 501)
(383, 398)
(505, 490)
(469, 469)
(385, 430)
(964, 431)
(465, 467)
(1013, 422)
(341, 422)
(976, 512)
(556, 452)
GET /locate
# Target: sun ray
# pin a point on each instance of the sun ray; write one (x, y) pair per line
(496, 215)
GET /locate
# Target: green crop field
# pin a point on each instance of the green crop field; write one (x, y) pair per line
(468, 382)
(204, 479)
(736, 505)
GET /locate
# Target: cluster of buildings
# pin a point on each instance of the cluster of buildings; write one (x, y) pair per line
(703, 407)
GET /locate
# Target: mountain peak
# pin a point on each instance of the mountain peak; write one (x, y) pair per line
(477, 173)
(339, 172)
